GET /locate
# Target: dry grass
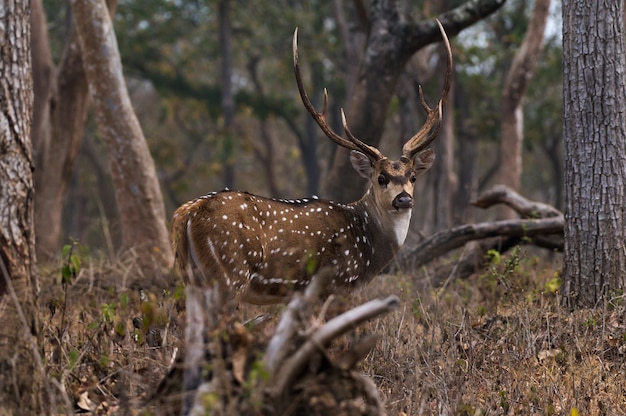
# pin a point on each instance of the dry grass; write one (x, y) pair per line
(497, 343)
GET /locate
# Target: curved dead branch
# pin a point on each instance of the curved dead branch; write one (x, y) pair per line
(540, 224)
(291, 368)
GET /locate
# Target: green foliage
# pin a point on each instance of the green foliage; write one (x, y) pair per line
(72, 357)
(257, 376)
(504, 402)
(591, 322)
(108, 312)
(553, 285)
(71, 263)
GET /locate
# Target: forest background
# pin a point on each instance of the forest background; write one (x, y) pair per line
(265, 142)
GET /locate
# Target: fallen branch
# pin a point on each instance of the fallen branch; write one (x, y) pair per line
(540, 224)
(501, 194)
(446, 241)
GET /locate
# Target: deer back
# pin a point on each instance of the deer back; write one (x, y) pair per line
(261, 249)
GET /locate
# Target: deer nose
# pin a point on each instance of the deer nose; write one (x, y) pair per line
(402, 200)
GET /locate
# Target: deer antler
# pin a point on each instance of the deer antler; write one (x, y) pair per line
(430, 129)
(353, 143)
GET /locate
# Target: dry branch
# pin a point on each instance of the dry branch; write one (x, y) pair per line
(292, 367)
(279, 346)
(541, 224)
(501, 194)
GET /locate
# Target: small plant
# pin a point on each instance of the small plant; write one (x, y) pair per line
(69, 270)
(553, 285)
(258, 374)
(591, 322)
(71, 263)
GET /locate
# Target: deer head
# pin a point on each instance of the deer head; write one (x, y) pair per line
(261, 250)
(391, 181)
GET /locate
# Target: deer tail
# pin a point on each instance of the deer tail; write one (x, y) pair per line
(180, 243)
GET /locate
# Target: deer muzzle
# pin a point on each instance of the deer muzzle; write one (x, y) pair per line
(402, 201)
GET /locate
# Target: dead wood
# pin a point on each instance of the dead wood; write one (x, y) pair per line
(291, 368)
(539, 224)
(221, 370)
(501, 194)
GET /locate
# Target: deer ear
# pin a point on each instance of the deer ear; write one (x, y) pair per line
(361, 164)
(423, 161)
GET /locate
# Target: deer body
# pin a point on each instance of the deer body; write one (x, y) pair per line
(261, 250)
(264, 249)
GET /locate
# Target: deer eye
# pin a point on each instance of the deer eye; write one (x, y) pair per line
(382, 180)
(413, 178)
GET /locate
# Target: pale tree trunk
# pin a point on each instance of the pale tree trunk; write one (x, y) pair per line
(594, 126)
(43, 78)
(392, 39)
(228, 99)
(21, 374)
(58, 129)
(137, 192)
(445, 179)
(515, 87)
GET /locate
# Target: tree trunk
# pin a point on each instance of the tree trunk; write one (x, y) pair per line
(21, 373)
(515, 87)
(43, 78)
(391, 41)
(137, 191)
(445, 177)
(228, 99)
(59, 119)
(594, 125)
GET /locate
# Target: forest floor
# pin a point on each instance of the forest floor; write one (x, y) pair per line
(497, 343)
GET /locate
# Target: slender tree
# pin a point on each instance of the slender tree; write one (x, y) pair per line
(61, 105)
(594, 125)
(21, 374)
(137, 191)
(515, 87)
(228, 98)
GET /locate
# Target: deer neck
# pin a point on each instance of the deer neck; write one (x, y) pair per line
(392, 225)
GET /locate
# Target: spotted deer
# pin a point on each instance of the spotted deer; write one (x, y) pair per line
(261, 250)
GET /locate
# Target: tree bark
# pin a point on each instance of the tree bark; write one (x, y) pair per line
(445, 177)
(59, 120)
(228, 99)
(515, 87)
(391, 41)
(21, 374)
(137, 191)
(594, 125)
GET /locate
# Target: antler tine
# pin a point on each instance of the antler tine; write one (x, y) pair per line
(320, 118)
(372, 152)
(429, 131)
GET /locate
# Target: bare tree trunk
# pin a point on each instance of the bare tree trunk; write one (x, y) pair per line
(515, 87)
(43, 78)
(264, 153)
(58, 129)
(21, 373)
(137, 191)
(594, 97)
(445, 177)
(228, 100)
(467, 160)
